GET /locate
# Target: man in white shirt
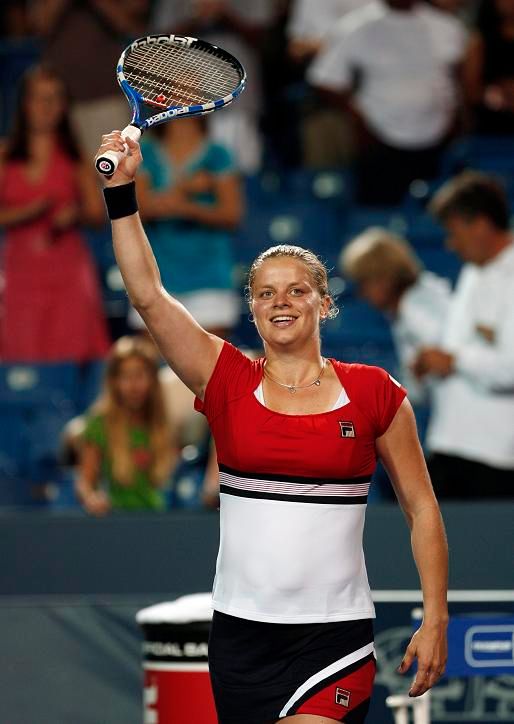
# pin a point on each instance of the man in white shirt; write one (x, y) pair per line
(393, 64)
(471, 430)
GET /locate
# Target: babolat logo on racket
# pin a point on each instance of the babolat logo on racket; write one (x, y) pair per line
(343, 697)
(166, 115)
(153, 39)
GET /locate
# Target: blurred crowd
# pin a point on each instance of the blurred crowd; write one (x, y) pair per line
(381, 90)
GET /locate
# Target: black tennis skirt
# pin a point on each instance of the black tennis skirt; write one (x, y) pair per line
(262, 672)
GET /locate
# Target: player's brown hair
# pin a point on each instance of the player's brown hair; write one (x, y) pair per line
(316, 267)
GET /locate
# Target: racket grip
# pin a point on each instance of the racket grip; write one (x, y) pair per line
(107, 163)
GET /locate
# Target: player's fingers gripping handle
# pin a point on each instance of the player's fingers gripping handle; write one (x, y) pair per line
(107, 163)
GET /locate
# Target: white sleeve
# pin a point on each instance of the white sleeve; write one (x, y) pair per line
(491, 367)
(332, 67)
(457, 41)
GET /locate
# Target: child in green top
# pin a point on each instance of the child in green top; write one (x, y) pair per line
(127, 453)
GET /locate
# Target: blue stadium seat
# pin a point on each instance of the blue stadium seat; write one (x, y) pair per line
(36, 400)
(361, 218)
(424, 231)
(441, 262)
(113, 289)
(414, 225)
(90, 383)
(357, 324)
(13, 457)
(27, 384)
(283, 221)
(490, 154)
(332, 187)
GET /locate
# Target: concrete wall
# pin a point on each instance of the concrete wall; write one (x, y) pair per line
(70, 587)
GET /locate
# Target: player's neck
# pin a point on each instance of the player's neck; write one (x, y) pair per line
(294, 367)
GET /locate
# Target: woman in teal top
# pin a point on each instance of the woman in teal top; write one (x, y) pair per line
(127, 449)
(191, 194)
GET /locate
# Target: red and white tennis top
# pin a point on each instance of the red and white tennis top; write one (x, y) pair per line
(293, 492)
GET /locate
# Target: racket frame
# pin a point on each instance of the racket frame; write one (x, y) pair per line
(108, 162)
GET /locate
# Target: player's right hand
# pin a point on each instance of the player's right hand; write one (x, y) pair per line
(128, 166)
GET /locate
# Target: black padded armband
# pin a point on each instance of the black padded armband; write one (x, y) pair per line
(120, 200)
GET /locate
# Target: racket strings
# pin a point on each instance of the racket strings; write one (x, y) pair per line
(169, 75)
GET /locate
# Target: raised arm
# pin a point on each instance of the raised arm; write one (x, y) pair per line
(189, 350)
(401, 453)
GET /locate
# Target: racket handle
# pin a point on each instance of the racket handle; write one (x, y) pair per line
(107, 163)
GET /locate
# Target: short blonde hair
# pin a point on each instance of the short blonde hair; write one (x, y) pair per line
(379, 254)
(316, 267)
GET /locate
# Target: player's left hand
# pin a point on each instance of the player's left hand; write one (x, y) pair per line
(429, 647)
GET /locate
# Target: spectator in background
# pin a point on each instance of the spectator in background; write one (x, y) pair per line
(190, 190)
(239, 27)
(83, 40)
(393, 64)
(391, 278)
(489, 69)
(471, 430)
(327, 138)
(52, 308)
(127, 452)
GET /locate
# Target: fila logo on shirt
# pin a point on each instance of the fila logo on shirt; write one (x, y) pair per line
(347, 429)
(343, 697)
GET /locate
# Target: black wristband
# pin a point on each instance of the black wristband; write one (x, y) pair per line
(120, 200)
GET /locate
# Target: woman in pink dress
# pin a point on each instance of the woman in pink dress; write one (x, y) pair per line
(51, 303)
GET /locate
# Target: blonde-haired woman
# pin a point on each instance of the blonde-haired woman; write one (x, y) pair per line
(127, 451)
(391, 278)
(297, 439)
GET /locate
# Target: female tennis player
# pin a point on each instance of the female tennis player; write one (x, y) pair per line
(297, 436)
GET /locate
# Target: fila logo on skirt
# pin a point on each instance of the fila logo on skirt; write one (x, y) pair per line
(343, 697)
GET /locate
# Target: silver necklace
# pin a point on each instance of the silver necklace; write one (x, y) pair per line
(292, 388)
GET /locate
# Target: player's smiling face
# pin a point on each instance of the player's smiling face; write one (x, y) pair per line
(286, 303)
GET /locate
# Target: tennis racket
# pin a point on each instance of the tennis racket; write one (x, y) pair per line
(172, 76)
